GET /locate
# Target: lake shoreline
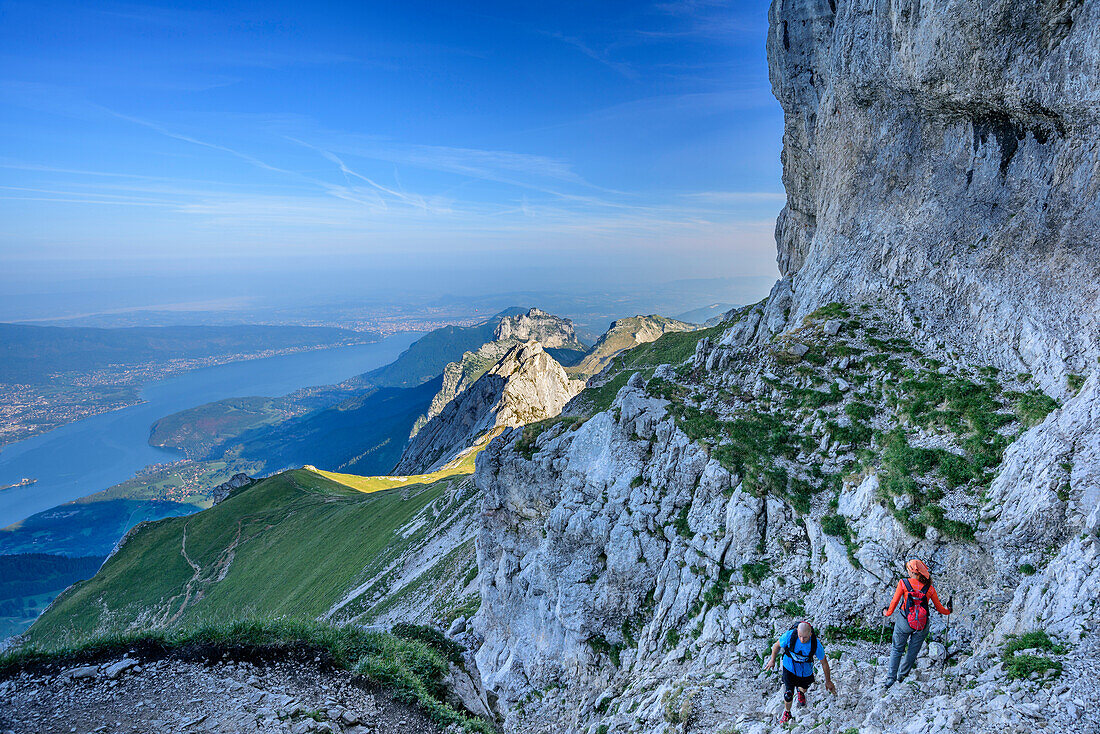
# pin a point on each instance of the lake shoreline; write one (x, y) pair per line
(162, 371)
(85, 457)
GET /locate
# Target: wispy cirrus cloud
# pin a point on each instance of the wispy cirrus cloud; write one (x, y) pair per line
(711, 20)
(603, 56)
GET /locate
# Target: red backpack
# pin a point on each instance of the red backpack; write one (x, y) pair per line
(915, 605)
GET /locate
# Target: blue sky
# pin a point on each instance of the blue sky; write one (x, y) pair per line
(148, 135)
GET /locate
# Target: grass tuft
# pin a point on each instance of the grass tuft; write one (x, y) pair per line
(1019, 666)
(410, 669)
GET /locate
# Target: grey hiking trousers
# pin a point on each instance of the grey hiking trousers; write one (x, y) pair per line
(904, 634)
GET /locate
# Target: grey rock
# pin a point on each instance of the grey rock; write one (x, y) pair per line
(84, 672)
(797, 349)
(526, 385)
(116, 669)
(537, 325)
(304, 726)
(923, 168)
(224, 489)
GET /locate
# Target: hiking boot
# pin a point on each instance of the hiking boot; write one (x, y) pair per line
(786, 717)
(801, 698)
(889, 682)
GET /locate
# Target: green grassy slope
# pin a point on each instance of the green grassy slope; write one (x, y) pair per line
(622, 336)
(290, 546)
(28, 582)
(672, 348)
(363, 434)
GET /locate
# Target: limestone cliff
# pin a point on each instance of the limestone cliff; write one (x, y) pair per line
(548, 330)
(923, 381)
(946, 157)
(526, 385)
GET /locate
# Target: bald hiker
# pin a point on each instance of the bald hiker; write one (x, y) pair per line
(800, 646)
(911, 626)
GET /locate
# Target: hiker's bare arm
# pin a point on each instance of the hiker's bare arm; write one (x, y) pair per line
(771, 661)
(828, 675)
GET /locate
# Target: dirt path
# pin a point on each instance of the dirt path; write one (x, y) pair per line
(192, 693)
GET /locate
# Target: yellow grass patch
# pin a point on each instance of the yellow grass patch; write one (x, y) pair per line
(461, 465)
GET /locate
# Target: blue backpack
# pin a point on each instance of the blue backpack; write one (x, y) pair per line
(798, 657)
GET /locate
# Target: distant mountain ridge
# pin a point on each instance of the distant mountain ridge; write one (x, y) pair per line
(426, 357)
(706, 315)
(364, 434)
(33, 354)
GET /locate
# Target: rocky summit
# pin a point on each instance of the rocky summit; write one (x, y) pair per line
(549, 331)
(537, 325)
(526, 385)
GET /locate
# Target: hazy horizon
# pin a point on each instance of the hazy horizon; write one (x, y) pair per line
(415, 147)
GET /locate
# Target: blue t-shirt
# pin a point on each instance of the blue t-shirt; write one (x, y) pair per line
(802, 652)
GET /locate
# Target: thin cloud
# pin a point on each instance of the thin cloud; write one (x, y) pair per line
(601, 56)
(411, 199)
(188, 139)
(710, 20)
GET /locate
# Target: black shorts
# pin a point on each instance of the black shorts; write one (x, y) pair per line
(792, 681)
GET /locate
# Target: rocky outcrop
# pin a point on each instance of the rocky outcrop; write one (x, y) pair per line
(526, 385)
(224, 489)
(946, 156)
(626, 334)
(627, 559)
(552, 332)
(923, 381)
(548, 330)
(457, 376)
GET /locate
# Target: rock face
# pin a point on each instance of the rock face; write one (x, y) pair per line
(922, 382)
(225, 488)
(946, 156)
(548, 330)
(624, 558)
(526, 385)
(457, 376)
(625, 334)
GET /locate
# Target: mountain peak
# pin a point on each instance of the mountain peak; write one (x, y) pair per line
(525, 385)
(549, 330)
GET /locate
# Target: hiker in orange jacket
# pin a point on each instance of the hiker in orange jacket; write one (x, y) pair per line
(911, 626)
